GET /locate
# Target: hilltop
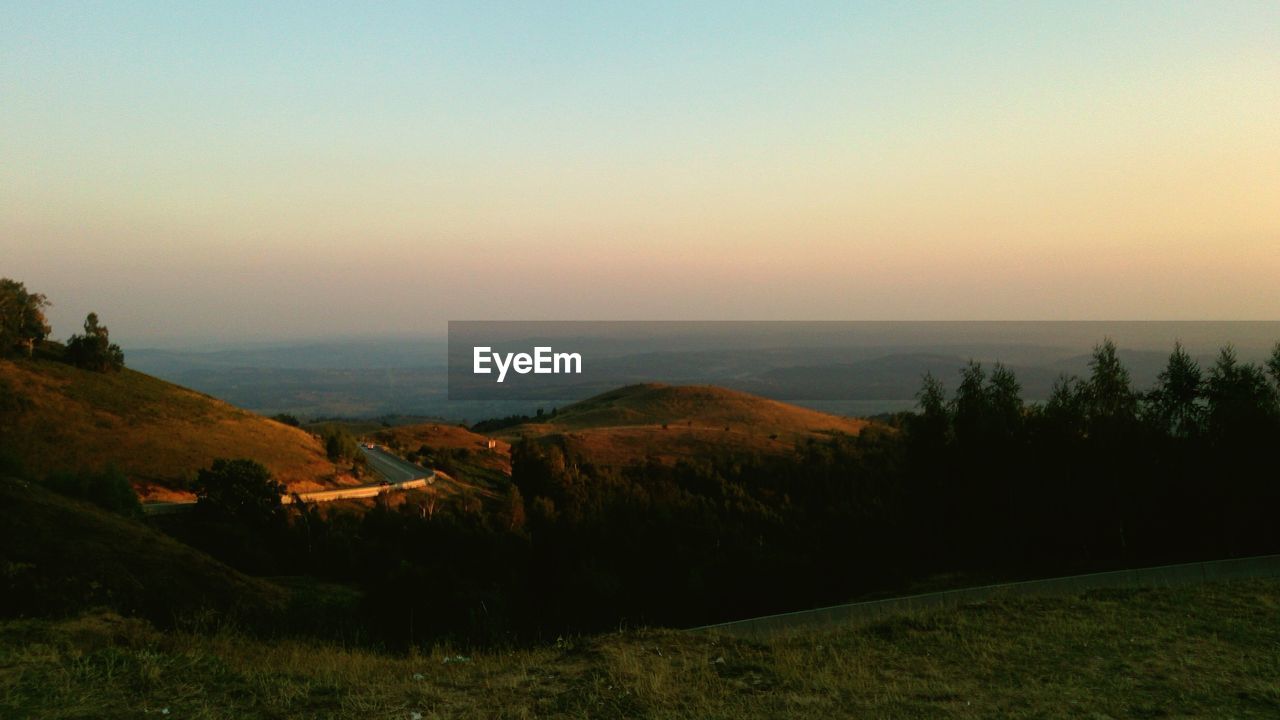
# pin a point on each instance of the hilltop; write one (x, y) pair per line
(636, 422)
(56, 417)
(697, 406)
(666, 422)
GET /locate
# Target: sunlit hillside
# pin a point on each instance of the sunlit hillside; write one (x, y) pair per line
(666, 422)
(57, 417)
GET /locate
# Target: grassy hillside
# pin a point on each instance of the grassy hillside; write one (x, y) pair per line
(469, 447)
(56, 417)
(1208, 651)
(701, 405)
(666, 422)
(61, 556)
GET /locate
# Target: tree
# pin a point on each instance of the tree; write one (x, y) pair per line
(340, 445)
(239, 490)
(1243, 422)
(1063, 412)
(94, 350)
(1004, 402)
(108, 488)
(514, 509)
(22, 320)
(987, 407)
(1110, 403)
(1174, 407)
(1273, 364)
(929, 428)
(970, 404)
(1242, 403)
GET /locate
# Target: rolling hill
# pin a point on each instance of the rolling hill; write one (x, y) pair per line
(62, 556)
(55, 417)
(668, 422)
(473, 447)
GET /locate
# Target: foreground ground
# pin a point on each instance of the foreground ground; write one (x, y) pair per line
(1208, 651)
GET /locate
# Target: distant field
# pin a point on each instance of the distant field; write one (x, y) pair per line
(1208, 651)
(56, 417)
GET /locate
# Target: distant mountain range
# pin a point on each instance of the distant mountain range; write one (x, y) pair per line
(875, 368)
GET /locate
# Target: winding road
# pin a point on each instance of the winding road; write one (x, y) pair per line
(392, 468)
(397, 474)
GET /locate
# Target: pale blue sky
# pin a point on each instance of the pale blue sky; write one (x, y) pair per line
(303, 169)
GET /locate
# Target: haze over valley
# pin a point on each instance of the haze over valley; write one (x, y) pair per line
(873, 359)
(857, 369)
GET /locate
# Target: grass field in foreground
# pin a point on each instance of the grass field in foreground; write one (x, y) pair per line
(1207, 651)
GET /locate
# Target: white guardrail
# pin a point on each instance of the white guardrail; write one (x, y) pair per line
(364, 491)
(353, 493)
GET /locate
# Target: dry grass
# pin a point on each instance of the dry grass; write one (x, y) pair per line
(1211, 651)
(667, 423)
(698, 406)
(623, 445)
(57, 417)
(451, 437)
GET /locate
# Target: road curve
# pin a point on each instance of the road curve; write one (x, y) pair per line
(392, 468)
(397, 474)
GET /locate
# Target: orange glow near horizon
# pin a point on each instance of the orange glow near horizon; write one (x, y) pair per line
(383, 172)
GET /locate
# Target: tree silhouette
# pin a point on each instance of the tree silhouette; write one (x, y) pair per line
(1242, 402)
(1176, 405)
(1273, 364)
(1063, 412)
(242, 491)
(1004, 403)
(929, 427)
(94, 350)
(1110, 404)
(970, 405)
(22, 320)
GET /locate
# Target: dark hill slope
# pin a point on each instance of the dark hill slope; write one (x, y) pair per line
(60, 556)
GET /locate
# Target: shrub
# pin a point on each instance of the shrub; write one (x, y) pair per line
(22, 320)
(108, 489)
(339, 445)
(239, 490)
(94, 350)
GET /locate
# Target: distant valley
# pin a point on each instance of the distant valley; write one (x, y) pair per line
(877, 371)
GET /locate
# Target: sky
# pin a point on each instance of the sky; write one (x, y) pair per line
(232, 171)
